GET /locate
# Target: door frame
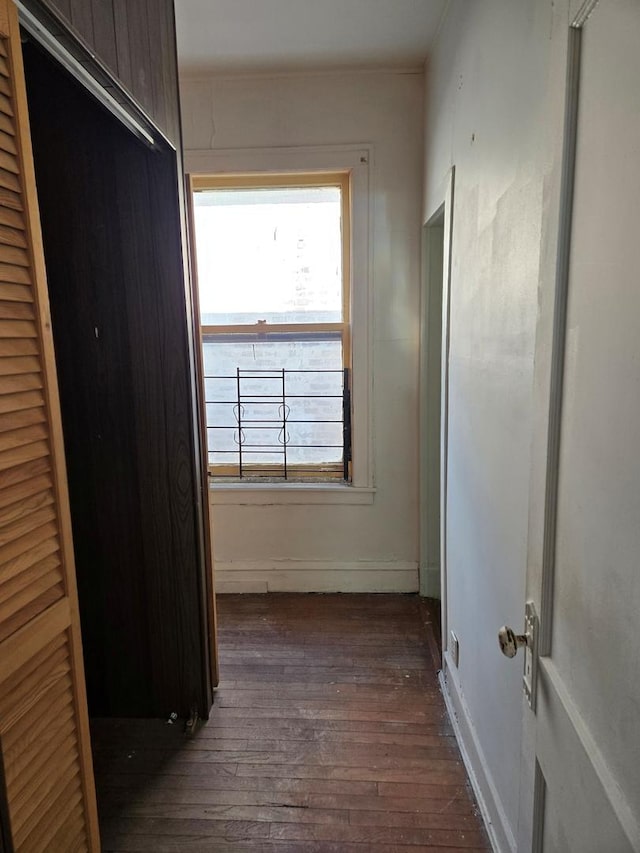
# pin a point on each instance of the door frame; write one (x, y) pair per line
(431, 287)
(439, 214)
(211, 614)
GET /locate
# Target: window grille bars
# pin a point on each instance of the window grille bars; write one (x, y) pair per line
(277, 444)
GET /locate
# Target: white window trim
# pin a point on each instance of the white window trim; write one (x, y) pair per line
(269, 494)
(332, 158)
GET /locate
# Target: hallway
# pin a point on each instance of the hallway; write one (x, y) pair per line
(328, 733)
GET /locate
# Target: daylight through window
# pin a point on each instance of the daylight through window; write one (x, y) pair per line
(273, 277)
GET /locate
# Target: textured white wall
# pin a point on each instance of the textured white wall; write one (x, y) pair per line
(485, 90)
(345, 547)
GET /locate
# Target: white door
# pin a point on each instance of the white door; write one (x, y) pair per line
(580, 786)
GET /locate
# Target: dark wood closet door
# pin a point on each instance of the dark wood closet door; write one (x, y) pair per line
(111, 223)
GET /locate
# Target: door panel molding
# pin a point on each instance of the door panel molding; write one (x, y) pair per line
(563, 734)
(559, 338)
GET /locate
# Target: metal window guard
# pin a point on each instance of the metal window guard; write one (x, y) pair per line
(282, 468)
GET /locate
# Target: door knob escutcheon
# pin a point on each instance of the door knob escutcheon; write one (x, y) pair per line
(510, 642)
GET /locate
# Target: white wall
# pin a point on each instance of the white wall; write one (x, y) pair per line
(485, 91)
(366, 547)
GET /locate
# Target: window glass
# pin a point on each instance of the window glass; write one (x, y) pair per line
(271, 254)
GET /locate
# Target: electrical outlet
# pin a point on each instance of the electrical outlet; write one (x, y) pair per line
(454, 647)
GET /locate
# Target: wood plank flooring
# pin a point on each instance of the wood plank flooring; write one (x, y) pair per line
(328, 735)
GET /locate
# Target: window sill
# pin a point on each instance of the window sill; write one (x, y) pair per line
(268, 494)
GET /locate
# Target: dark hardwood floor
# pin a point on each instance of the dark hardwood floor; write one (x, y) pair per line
(328, 734)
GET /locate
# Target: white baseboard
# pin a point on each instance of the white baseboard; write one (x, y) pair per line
(315, 576)
(500, 834)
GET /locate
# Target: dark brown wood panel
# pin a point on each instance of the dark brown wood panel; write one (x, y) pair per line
(95, 387)
(137, 36)
(136, 42)
(157, 319)
(111, 224)
(82, 19)
(153, 17)
(168, 85)
(104, 34)
(123, 50)
(328, 734)
(63, 6)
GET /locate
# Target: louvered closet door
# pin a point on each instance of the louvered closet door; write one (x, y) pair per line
(44, 736)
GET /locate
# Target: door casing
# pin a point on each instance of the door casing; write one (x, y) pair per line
(440, 216)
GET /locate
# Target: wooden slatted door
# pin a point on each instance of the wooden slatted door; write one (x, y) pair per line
(44, 736)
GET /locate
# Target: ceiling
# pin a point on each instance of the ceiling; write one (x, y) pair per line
(286, 35)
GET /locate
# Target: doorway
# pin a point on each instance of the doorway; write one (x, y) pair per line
(430, 403)
(434, 402)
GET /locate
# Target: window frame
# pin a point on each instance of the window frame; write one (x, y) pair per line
(297, 180)
(354, 160)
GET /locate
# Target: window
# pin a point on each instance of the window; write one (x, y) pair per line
(273, 257)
